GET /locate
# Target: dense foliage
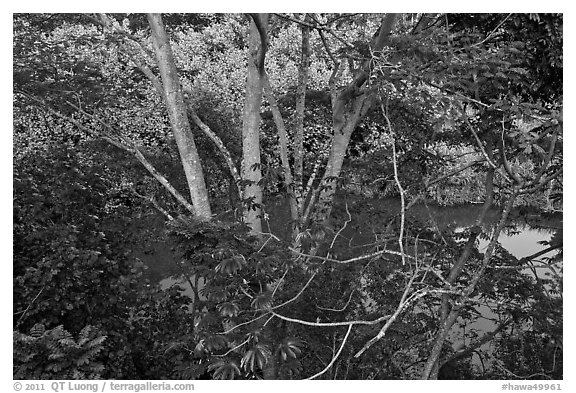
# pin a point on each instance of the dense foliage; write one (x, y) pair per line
(114, 277)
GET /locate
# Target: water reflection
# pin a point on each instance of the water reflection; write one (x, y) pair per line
(522, 237)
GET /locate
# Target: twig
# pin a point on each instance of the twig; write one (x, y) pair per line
(322, 324)
(453, 172)
(316, 27)
(343, 226)
(278, 283)
(335, 356)
(295, 297)
(350, 260)
(337, 310)
(492, 32)
(327, 47)
(400, 189)
(30, 305)
(242, 324)
(505, 162)
(547, 160)
(498, 364)
(479, 143)
(153, 201)
(401, 307)
(235, 348)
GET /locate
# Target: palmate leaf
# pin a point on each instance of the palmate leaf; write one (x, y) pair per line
(224, 369)
(228, 309)
(230, 265)
(262, 301)
(289, 348)
(255, 358)
(213, 343)
(214, 293)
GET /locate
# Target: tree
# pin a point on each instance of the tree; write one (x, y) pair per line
(251, 171)
(179, 119)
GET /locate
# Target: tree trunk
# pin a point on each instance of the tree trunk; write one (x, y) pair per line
(345, 123)
(348, 108)
(299, 116)
(178, 119)
(251, 171)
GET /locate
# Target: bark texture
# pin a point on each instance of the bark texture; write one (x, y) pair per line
(299, 118)
(251, 172)
(349, 106)
(178, 118)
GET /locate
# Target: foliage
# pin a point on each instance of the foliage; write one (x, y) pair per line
(234, 277)
(74, 267)
(55, 354)
(449, 103)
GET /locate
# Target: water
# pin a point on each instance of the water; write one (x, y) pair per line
(521, 241)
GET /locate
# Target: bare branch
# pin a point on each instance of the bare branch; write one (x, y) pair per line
(283, 139)
(30, 305)
(542, 182)
(477, 343)
(155, 203)
(351, 260)
(499, 364)
(242, 324)
(476, 276)
(327, 48)
(504, 160)
(493, 31)
(293, 298)
(337, 310)
(479, 143)
(453, 172)
(323, 324)
(548, 158)
(234, 348)
(400, 189)
(335, 356)
(119, 142)
(216, 140)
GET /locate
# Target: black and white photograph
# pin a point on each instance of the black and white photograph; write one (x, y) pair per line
(286, 196)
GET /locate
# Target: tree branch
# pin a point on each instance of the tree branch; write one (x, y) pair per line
(335, 356)
(400, 189)
(477, 343)
(350, 260)
(121, 143)
(283, 139)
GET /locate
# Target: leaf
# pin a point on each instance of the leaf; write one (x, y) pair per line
(262, 301)
(224, 369)
(255, 358)
(230, 265)
(228, 309)
(214, 343)
(199, 349)
(290, 348)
